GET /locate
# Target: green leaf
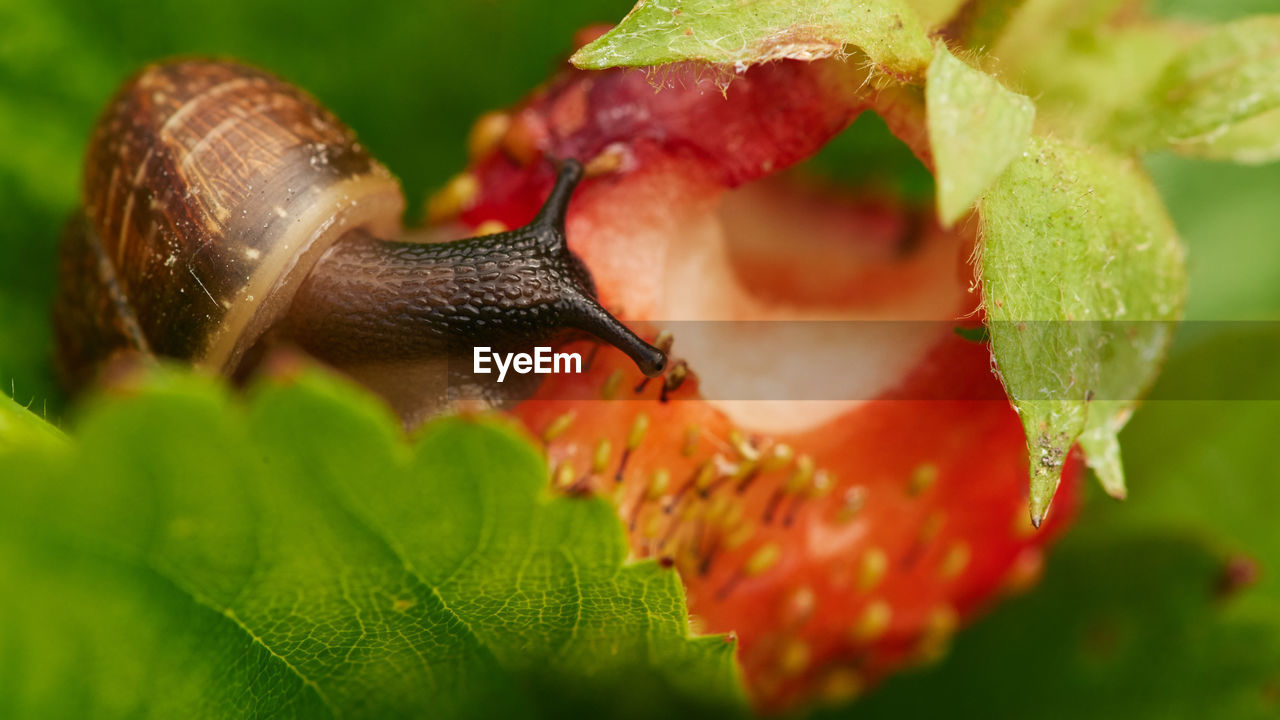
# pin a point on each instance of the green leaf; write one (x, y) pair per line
(1083, 277)
(1143, 83)
(297, 558)
(1219, 98)
(1252, 142)
(976, 128)
(19, 427)
(739, 33)
(1089, 64)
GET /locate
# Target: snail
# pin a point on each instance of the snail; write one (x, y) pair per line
(225, 211)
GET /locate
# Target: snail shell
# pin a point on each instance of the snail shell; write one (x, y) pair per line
(210, 190)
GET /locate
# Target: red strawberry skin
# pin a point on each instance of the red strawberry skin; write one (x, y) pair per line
(835, 550)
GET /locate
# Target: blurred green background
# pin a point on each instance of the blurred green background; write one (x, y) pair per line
(1128, 622)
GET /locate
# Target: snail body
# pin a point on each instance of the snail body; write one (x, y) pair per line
(223, 207)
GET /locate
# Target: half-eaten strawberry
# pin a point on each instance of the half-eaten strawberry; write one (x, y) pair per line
(835, 471)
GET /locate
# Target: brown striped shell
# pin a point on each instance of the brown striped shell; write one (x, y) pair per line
(210, 191)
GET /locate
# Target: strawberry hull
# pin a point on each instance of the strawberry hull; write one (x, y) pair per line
(837, 538)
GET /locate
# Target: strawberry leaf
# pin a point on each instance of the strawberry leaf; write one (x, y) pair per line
(976, 128)
(1083, 277)
(1220, 98)
(740, 33)
(296, 557)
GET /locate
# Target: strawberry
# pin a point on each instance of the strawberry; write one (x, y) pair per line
(840, 497)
